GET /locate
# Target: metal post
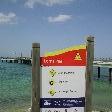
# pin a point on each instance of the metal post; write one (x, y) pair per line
(35, 77)
(89, 73)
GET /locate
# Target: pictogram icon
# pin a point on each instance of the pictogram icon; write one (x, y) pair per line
(78, 57)
(51, 82)
(52, 92)
(52, 72)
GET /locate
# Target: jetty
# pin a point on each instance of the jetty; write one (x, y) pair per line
(97, 63)
(105, 64)
(21, 60)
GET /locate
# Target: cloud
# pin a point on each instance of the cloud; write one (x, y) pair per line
(9, 18)
(31, 3)
(59, 18)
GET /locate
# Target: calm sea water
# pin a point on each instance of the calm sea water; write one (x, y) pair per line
(15, 88)
(102, 91)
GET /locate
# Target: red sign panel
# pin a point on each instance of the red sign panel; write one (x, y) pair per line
(70, 58)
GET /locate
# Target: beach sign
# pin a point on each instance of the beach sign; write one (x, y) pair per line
(63, 83)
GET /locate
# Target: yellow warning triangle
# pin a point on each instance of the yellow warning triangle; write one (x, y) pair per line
(77, 57)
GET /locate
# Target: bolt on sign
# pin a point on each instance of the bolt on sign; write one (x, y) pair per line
(63, 80)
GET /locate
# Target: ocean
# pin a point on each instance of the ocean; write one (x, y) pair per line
(15, 89)
(102, 91)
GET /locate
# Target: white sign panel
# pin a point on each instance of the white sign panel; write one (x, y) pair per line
(63, 82)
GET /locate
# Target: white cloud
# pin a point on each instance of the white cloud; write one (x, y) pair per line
(9, 18)
(31, 3)
(59, 18)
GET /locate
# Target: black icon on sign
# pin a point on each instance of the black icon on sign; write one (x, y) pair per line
(49, 111)
(51, 82)
(65, 110)
(75, 110)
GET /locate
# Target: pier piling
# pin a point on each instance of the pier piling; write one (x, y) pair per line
(110, 75)
(98, 72)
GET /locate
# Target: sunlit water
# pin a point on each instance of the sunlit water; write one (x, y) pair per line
(15, 88)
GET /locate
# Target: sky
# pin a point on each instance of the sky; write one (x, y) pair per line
(55, 24)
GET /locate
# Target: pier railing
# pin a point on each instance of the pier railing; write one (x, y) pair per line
(23, 60)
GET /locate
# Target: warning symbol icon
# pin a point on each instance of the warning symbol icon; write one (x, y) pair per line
(51, 82)
(52, 72)
(52, 92)
(77, 57)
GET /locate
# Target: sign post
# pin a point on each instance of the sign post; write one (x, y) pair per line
(64, 82)
(35, 77)
(89, 73)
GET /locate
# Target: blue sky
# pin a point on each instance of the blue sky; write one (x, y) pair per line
(55, 24)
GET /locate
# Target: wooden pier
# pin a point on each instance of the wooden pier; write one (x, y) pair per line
(27, 61)
(109, 71)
